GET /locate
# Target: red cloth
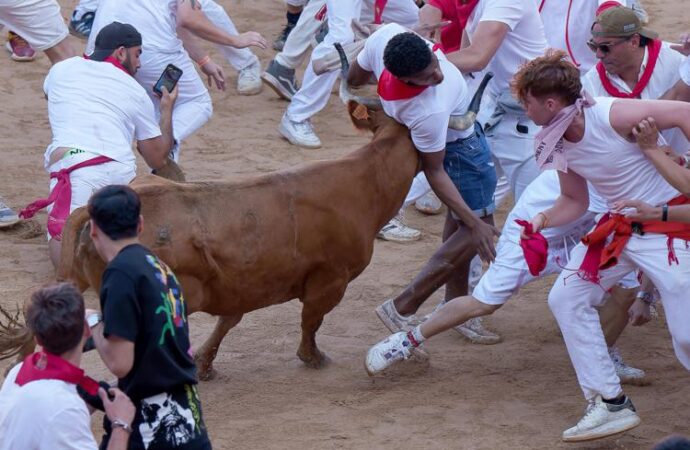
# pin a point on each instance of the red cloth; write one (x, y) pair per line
(390, 88)
(600, 256)
(112, 61)
(45, 366)
(379, 6)
(535, 248)
(451, 34)
(654, 49)
(321, 13)
(61, 196)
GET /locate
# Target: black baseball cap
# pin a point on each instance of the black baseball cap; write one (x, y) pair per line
(113, 36)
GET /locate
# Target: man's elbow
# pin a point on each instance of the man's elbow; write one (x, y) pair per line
(121, 368)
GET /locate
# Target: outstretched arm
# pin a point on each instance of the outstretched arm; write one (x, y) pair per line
(626, 114)
(191, 17)
(485, 42)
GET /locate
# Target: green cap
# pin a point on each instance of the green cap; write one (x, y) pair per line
(620, 21)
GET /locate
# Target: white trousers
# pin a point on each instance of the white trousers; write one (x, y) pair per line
(573, 302)
(512, 144)
(37, 21)
(239, 58)
(298, 42)
(316, 89)
(193, 107)
(85, 6)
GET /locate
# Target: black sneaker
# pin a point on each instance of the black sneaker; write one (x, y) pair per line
(281, 79)
(279, 43)
(82, 28)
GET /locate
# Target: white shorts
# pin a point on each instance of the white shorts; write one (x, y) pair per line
(296, 2)
(87, 180)
(37, 21)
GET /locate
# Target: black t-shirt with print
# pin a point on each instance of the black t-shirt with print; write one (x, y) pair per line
(142, 302)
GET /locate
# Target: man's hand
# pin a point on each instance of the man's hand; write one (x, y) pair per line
(639, 313)
(121, 407)
(684, 45)
(168, 98)
(250, 38)
(538, 223)
(214, 73)
(637, 210)
(646, 134)
(483, 234)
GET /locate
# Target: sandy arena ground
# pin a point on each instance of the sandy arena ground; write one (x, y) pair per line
(519, 394)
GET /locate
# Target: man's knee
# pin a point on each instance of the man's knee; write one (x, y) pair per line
(484, 309)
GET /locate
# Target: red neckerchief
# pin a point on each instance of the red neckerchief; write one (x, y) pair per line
(45, 366)
(390, 88)
(112, 61)
(601, 255)
(654, 49)
(535, 248)
(465, 9)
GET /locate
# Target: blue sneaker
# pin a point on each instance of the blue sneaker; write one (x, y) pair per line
(7, 216)
(81, 28)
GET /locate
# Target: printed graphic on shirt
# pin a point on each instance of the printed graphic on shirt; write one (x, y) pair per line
(172, 305)
(166, 423)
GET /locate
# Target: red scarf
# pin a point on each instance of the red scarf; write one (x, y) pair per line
(379, 6)
(535, 248)
(601, 256)
(45, 366)
(654, 49)
(114, 62)
(61, 196)
(390, 88)
(465, 9)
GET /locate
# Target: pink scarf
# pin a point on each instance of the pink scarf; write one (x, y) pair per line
(548, 143)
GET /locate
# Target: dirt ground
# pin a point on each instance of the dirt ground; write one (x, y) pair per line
(519, 394)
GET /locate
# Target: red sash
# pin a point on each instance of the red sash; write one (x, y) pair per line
(654, 49)
(535, 248)
(45, 366)
(600, 256)
(465, 9)
(61, 196)
(379, 6)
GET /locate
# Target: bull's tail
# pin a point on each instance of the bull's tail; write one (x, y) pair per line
(67, 271)
(15, 337)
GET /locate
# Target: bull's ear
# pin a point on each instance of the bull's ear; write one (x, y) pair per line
(360, 115)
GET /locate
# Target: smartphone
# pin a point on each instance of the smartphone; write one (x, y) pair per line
(169, 78)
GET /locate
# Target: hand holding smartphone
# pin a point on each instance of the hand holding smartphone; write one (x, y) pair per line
(169, 78)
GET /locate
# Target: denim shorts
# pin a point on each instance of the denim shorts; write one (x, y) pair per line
(469, 165)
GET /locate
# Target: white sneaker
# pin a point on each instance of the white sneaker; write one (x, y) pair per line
(474, 331)
(626, 373)
(393, 320)
(249, 79)
(299, 133)
(429, 203)
(395, 348)
(397, 231)
(603, 419)
(7, 216)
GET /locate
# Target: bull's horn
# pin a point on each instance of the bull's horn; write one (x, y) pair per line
(466, 120)
(345, 94)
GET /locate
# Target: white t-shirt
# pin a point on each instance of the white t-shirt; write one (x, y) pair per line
(634, 177)
(426, 114)
(524, 41)
(43, 415)
(156, 20)
(664, 77)
(685, 71)
(97, 107)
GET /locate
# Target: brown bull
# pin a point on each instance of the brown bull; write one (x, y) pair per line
(239, 246)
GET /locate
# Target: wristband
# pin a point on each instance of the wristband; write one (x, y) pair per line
(203, 61)
(546, 220)
(664, 212)
(119, 423)
(646, 297)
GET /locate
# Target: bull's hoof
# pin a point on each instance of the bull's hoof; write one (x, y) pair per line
(316, 360)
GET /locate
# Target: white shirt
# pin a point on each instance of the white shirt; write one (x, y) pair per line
(664, 77)
(684, 70)
(156, 20)
(43, 415)
(426, 114)
(632, 175)
(524, 41)
(97, 107)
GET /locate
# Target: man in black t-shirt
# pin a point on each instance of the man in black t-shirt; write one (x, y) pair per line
(143, 337)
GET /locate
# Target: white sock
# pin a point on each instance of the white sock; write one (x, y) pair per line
(415, 336)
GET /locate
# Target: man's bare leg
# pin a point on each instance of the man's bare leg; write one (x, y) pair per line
(54, 248)
(61, 51)
(614, 313)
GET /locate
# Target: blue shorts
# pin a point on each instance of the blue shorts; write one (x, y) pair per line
(469, 165)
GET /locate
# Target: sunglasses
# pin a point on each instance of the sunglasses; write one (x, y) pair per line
(606, 47)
